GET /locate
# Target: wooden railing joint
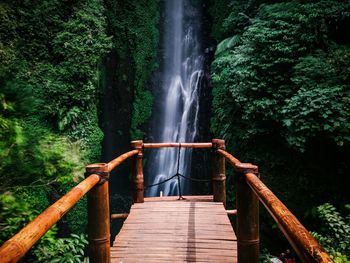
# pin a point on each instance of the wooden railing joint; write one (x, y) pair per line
(249, 189)
(119, 216)
(137, 174)
(98, 215)
(218, 172)
(243, 168)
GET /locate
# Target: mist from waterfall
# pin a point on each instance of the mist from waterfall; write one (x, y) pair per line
(181, 76)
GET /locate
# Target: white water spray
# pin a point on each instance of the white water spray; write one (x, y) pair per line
(181, 78)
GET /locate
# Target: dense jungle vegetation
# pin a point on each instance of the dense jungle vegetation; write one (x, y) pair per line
(281, 99)
(53, 78)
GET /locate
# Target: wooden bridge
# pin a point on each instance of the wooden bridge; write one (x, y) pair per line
(164, 229)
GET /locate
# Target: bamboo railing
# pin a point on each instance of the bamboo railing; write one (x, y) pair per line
(182, 145)
(249, 190)
(16, 247)
(96, 186)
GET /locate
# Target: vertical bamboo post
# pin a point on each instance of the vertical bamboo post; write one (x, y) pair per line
(218, 172)
(138, 173)
(98, 215)
(247, 219)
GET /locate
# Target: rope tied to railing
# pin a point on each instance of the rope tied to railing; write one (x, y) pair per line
(178, 175)
(162, 182)
(195, 179)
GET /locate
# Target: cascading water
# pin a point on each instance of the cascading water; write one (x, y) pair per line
(177, 118)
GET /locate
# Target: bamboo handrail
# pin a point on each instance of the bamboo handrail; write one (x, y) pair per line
(117, 161)
(182, 145)
(232, 212)
(119, 216)
(301, 240)
(16, 247)
(232, 160)
(305, 245)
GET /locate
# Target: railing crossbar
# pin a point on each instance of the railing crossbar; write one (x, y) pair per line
(16, 247)
(305, 245)
(176, 145)
(117, 161)
(250, 189)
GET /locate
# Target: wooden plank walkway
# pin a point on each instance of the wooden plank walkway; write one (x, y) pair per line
(164, 229)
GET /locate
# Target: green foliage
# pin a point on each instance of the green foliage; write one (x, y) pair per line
(130, 22)
(44, 157)
(46, 160)
(219, 10)
(15, 212)
(281, 96)
(142, 111)
(261, 77)
(63, 250)
(56, 74)
(265, 257)
(334, 231)
(227, 44)
(10, 132)
(232, 17)
(19, 208)
(76, 218)
(8, 35)
(50, 54)
(321, 104)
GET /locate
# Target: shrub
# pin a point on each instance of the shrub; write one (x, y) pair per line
(334, 231)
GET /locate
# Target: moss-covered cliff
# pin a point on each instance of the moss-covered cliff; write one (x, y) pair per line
(71, 74)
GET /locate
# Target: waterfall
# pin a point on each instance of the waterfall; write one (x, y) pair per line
(177, 117)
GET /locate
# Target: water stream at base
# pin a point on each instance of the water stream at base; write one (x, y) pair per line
(181, 78)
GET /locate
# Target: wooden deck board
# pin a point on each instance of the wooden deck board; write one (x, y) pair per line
(164, 229)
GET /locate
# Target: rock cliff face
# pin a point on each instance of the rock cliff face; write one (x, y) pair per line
(127, 68)
(124, 100)
(116, 112)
